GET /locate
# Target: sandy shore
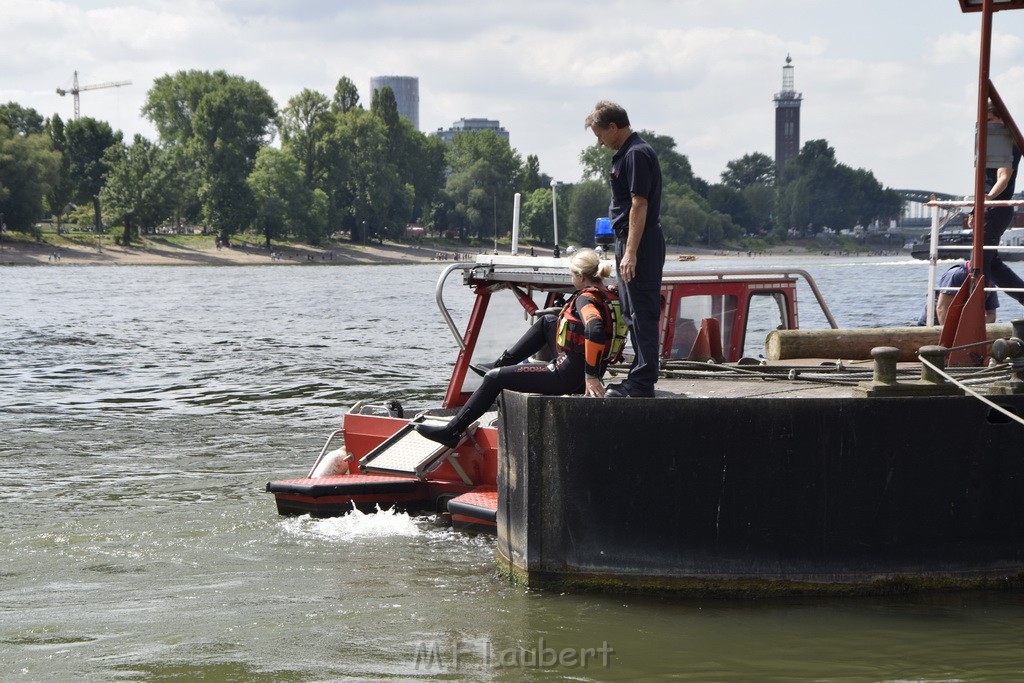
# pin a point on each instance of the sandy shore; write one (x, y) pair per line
(160, 253)
(156, 253)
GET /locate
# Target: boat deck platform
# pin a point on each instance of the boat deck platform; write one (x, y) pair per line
(806, 379)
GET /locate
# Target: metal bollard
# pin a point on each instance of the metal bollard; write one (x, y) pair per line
(885, 364)
(936, 355)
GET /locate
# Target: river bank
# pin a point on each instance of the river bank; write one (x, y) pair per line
(159, 252)
(207, 252)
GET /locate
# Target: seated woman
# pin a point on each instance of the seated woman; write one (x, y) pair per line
(580, 337)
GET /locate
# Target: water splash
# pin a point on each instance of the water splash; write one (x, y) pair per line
(354, 525)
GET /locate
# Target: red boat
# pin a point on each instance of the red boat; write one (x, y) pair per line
(378, 459)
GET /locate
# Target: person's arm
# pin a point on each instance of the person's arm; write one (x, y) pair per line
(637, 221)
(942, 306)
(594, 336)
(1003, 176)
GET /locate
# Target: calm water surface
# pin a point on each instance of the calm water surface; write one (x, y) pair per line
(142, 411)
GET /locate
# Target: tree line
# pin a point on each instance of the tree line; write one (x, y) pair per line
(229, 159)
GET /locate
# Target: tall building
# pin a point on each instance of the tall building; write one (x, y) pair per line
(471, 126)
(787, 120)
(407, 94)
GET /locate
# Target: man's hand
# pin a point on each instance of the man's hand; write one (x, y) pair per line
(594, 387)
(627, 267)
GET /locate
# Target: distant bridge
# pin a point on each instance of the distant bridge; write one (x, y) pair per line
(922, 196)
(916, 216)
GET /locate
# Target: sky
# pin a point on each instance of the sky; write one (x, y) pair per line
(891, 85)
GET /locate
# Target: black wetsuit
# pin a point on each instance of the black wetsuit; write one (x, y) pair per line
(564, 375)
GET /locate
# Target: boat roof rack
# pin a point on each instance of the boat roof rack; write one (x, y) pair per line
(977, 5)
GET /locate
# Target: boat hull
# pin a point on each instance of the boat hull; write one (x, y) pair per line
(468, 476)
(849, 493)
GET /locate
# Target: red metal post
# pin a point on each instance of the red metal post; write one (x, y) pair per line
(969, 326)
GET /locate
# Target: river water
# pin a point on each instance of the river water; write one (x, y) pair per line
(143, 409)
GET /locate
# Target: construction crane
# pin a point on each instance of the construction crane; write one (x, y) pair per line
(75, 89)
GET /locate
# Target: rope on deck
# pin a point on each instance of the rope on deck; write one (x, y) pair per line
(1013, 416)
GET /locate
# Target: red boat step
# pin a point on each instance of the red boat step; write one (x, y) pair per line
(344, 484)
(476, 510)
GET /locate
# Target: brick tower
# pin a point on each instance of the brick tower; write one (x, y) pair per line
(787, 120)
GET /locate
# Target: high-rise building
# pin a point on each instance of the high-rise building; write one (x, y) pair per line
(471, 126)
(787, 120)
(407, 95)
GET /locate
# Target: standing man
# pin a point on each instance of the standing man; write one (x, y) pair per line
(635, 212)
(1000, 183)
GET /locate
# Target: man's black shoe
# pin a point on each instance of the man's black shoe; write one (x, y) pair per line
(624, 390)
(442, 434)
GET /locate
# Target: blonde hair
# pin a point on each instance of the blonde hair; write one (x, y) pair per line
(588, 264)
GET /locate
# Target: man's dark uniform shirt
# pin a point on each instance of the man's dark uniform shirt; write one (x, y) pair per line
(635, 171)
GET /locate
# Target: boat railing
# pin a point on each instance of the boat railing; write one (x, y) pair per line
(553, 271)
(935, 247)
(439, 297)
(683, 276)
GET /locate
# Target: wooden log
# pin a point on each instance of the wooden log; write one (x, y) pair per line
(856, 343)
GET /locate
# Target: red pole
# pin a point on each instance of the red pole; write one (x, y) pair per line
(978, 252)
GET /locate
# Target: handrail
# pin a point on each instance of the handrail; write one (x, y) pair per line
(667, 278)
(439, 298)
(934, 248)
(970, 202)
(721, 274)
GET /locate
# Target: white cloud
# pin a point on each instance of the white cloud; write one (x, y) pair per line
(889, 85)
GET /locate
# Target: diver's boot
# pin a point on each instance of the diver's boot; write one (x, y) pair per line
(445, 434)
(503, 360)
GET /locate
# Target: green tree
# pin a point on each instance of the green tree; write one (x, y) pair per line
(62, 192)
(171, 104)
(675, 167)
(230, 126)
(28, 170)
(587, 202)
(87, 143)
(346, 95)
(761, 200)
(372, 198)
(280, 195)
(304, 128)
(133, 195)
(184, 178)
(596, 162)
(816, 192)
(750, 169)
(384, 105)
(686, 220)
(423, 166)
(484, 172)
(537, 218)
(731, 202)
(532, 178)
(22, 120)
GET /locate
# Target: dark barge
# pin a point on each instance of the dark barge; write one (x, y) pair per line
(740, 480)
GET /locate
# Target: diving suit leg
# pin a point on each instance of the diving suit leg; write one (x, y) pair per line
(443, 434)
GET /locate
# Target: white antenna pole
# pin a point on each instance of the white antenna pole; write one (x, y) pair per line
(516, 203)
(554, 211)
